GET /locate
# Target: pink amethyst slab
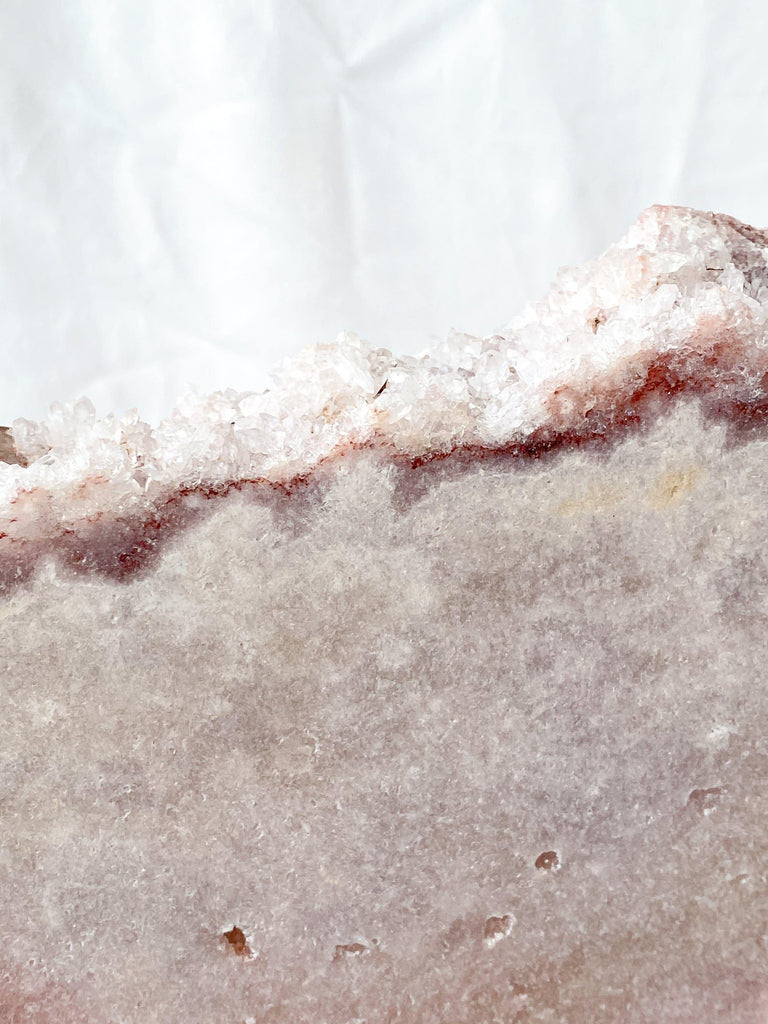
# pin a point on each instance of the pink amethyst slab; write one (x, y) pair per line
(418, 689)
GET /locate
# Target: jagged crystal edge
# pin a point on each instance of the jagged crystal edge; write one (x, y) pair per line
(650, 292)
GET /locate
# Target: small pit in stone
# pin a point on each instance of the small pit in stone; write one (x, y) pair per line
(351, 949)
(547, 861)
(497, 928)
(595, 321)
(704, 801)
(237, 942)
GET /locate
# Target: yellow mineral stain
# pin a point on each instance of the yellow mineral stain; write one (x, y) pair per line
(596, 499)
(665, 492)
(670, 488)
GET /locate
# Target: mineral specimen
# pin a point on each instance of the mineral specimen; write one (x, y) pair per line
(412, 689)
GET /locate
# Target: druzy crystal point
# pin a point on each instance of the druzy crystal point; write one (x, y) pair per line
(412, 689)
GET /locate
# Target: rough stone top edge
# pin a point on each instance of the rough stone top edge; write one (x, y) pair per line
(682, 296)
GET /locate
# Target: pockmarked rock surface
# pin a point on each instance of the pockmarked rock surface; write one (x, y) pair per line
(411, 690)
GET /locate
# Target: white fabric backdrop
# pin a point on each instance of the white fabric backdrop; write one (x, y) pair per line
(192, 189)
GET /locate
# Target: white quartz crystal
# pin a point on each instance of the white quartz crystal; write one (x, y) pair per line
(436, 703)
(677, 282)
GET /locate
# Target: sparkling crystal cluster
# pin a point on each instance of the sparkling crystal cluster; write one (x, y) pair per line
(683, 284)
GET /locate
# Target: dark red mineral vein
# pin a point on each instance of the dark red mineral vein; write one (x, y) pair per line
(730, 378)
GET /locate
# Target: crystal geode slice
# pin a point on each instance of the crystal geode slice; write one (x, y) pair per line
(419, 689)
